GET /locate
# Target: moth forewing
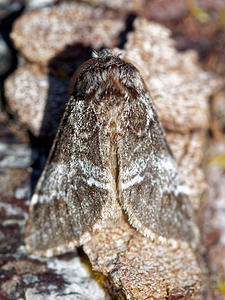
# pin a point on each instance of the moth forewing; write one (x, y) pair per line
(110, 157)
(149, 185)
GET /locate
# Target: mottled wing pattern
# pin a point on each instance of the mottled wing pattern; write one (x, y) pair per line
(149, 186)
(110, 152)
(73, 186)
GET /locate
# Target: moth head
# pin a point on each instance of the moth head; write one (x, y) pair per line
(107, 72)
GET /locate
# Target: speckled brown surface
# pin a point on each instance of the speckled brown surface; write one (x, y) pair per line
(139, 269)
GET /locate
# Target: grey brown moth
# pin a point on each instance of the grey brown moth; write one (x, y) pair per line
(110, 159)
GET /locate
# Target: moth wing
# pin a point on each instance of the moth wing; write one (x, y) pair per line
(73, 187)
(149, 186)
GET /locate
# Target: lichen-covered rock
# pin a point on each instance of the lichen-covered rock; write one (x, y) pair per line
(15, 160)
(179, 88)
(66, 30)
(188, 151)
(37, 99)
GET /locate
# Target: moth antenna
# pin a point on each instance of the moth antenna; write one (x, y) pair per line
(95, 54)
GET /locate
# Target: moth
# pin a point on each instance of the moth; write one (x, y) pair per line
(110, 159)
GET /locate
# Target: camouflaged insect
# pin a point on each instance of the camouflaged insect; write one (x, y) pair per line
(110, 159)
